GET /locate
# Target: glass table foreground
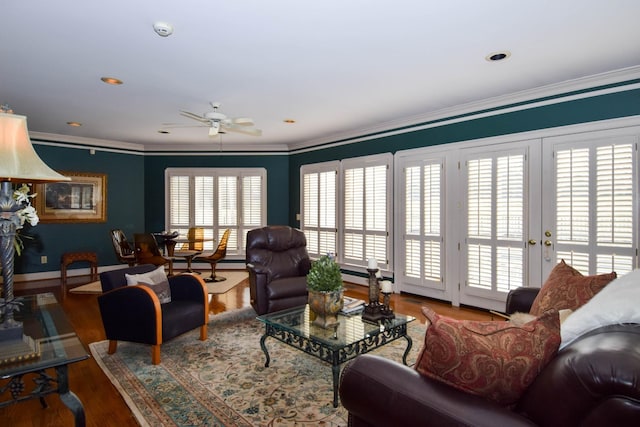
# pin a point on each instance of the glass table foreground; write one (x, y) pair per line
(350, 338)
(56, 345)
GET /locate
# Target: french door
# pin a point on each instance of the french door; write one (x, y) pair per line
(480, 219)
(499, 249)
(590, 211)
(532, 203)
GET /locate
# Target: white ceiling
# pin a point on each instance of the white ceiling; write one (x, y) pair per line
(339, 68)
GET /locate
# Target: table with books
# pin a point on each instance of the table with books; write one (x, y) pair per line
(349, 338)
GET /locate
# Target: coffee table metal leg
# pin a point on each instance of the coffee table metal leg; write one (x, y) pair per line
(68, 397)
(336, 379)
(264, 350)
(406, 352)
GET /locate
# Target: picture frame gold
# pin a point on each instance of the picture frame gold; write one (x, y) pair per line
(83, 199)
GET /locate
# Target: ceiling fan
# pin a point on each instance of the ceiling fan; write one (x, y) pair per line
(220, 123)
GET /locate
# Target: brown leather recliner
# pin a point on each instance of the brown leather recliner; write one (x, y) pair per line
(593, 381)
(278, 264)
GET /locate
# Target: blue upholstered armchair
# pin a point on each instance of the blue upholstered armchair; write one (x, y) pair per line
(134, 313)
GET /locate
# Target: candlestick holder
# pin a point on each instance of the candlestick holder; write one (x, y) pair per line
(387, 312)
(373, 310)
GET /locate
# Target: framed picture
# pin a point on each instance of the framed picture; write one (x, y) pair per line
(83, 199)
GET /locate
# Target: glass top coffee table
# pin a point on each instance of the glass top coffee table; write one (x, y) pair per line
(350, 338)
(56, 345)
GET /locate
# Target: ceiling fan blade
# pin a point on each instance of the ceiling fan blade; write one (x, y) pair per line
(194, 116)
(243, 121)
(243, 129)
(179, 126)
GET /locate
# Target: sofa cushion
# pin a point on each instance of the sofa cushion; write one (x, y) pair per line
(494, 359)
(156, 280)
(567, 288)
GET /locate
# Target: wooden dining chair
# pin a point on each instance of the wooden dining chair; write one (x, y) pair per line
(215, 257)
(122, 248)
(192, 248)
(147, 251)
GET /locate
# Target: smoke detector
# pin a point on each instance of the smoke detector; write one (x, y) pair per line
(163, 29)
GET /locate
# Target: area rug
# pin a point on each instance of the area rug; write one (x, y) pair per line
(233, 278)
(223, 381)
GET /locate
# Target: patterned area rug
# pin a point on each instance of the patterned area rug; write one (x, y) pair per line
(223, 381)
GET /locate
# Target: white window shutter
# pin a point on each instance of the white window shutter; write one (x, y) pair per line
(319, 207)
(216, 200)
(594, 214)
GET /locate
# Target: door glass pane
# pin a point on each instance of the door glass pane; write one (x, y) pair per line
(595, 199)
(496, 203)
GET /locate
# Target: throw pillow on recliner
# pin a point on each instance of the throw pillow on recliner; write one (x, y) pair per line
(567, 288)
(494, 359)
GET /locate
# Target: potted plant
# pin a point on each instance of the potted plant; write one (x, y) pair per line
(324, 282)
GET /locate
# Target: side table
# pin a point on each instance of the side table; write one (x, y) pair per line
(71, 257)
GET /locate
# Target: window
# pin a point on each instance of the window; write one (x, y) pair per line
(367, 210)
(216, 200)
(320, 207)
(358, 191)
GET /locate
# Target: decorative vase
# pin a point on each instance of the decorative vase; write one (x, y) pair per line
(326, 305)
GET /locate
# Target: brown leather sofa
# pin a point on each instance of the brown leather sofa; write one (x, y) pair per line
(594, 381)
(278, 263)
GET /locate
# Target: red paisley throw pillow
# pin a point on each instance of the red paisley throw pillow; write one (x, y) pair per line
(567, 288)
(494, 359)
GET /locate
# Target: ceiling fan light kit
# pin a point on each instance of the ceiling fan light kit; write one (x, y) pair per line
(214, 129)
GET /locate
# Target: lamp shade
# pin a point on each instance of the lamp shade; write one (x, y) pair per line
(18, 160)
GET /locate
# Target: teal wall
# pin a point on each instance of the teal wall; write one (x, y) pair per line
(125, 190)
(135, 183)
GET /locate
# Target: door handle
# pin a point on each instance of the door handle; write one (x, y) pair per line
(532, 242)
(547, 242)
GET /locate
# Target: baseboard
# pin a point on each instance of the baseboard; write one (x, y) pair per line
(21, 281)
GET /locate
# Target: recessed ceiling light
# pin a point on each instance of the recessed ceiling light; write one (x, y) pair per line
(74, 124)
(163, 131)
(111, 81)
(498, 56)
(290, 121)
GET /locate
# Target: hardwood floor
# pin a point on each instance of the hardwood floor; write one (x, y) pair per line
(102, 402)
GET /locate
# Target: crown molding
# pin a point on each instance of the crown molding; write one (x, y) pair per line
(560, 91)
(81, 142)
(76, 142)
(215, 148)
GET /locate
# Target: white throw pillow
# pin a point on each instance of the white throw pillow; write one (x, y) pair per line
(156, 280)
(617, 303)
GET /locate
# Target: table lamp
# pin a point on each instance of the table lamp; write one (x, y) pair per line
(19, 163)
